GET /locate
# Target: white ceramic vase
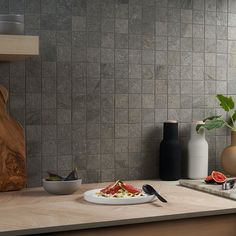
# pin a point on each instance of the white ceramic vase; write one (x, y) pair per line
(197, 153)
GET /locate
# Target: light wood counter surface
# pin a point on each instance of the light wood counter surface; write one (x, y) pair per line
(33, 211)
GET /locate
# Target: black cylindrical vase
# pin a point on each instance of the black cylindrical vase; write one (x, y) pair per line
(170, 152)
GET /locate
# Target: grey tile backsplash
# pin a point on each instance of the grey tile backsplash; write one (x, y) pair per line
(110, 72)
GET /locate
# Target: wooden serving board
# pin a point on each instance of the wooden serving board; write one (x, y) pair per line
(209, 188)
(12, 149)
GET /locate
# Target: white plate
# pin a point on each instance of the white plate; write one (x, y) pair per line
(91, 196)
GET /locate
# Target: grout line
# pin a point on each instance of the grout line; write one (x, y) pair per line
(100, 143)
(128, 95)
(227, 68)
(141, 84)
(114, 94)
(156, 124)
(86, 83)
(180, 94)
(73, 156)
(56, 101)
(216, 157)
(167, 71)
(192, 118)
(41, 69)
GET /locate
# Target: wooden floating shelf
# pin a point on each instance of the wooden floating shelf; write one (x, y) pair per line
(18, 47)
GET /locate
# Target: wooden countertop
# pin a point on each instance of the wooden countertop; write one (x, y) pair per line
(34, 211)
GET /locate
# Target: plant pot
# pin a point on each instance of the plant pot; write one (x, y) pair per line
(228, 156)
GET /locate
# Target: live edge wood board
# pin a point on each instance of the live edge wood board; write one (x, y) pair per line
(12, 149)
(18, 47)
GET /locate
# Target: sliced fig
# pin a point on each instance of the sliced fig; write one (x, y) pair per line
(112, 188)
(209, 180)
(216, 177)
(130, 188)
(72, 176)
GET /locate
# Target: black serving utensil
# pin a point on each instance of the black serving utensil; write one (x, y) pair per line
(148, 189)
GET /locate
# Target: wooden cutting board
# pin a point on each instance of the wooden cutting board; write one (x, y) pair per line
(12, 149)
(209, 188)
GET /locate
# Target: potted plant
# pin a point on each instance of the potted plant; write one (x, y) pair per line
(228, 156)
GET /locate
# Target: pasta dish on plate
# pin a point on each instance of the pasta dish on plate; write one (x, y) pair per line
(120, 189)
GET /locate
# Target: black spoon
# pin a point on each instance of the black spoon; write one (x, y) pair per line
(151, 191)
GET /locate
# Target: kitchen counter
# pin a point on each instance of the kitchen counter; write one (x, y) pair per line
(33, 211)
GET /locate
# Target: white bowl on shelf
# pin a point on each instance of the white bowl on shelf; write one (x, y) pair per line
(62, 187)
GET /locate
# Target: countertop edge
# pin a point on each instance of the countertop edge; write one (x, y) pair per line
(62, 228)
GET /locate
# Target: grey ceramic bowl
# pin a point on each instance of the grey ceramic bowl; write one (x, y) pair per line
(8, 27)
(12, 18)
(61, 187)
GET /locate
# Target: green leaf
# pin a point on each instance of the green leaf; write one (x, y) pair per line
(211, 124)
(211, 118)
(234, 116)
(226, 103)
